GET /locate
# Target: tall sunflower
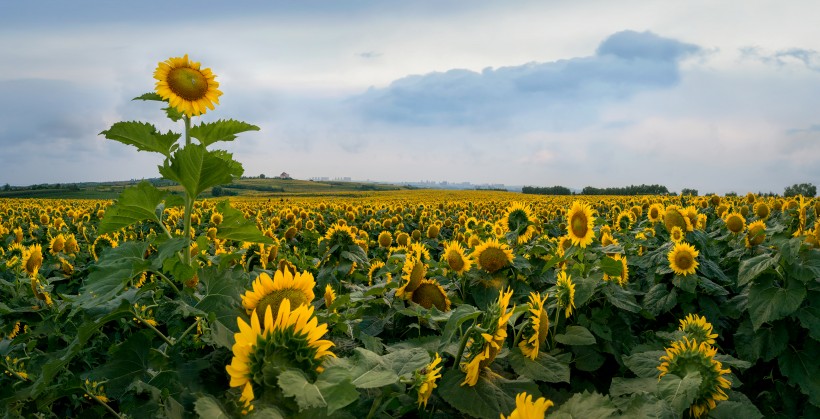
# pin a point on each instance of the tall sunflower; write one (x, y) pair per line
(756, 233)
(33, 260)
(492, 255)
(453, 254)
(429, 293)
(683, 259)
(696, 327)
(185, 86)
(580, 223)
(482, 347)
(535, 332)
(689, 355)
(291, 340)
(285, 286)
(526, 408)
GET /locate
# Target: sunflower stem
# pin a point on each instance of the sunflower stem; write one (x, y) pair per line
(555, 326)
(105, 405)
(519, 332)
(167, 281)
(188, 330)
(463, 344)
(160, 334)
(376, 403)
(187, 120)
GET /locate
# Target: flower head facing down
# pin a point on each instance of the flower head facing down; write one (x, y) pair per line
(565, 292)
(535, 332)
(425, 380)
(185, 86)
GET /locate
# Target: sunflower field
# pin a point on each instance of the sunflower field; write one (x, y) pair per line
(432, 304)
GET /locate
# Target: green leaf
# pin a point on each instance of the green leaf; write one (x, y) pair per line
(113, 271)
(150, 96)
(587, 358)
(810, 319)
(492, 395)
(332, 389)
(802, 368)
(731, 409)
(294, 384)
(688, 283)
(769, 302)
(647, 406)
(611, 266)
(751, 268)
(576, 335)
(679, 392)
(584, 405)
(369, 371)
(621, 298)
(143, 136)
(129, 361)
(207, 407)
(621, 386)
(644, 364)
(135, 204)
(236, 227)
(659, 299)
(765, 342)
(461, 314)
(197, 169)
(406, 361)
(221, 293)
(222, 130)
(544, 368)
(585, 288)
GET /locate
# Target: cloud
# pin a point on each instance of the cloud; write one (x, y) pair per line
(565, 92)
(807, 57)
(369, 55)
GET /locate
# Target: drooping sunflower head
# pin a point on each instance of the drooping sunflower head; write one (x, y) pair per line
(607, 240)
(330, 296)
(33, 260)
(101, 243)
(453, 254)
(290, 340)
(482, 347)
(683, 259)
(688, 355)
(756, 233)
(676, 234)
(697, 328)
(526, 408)
(520, 220)
(735, 222)
(285, 286)
(429, 293)
(492, 256)
(580, 223)
(57, 244)
(15, 255)
(535, 332)
(186, 87)
(565, 293)
(623, 278)
(413, 272)
(425, 380)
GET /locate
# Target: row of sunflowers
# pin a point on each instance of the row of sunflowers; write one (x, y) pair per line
(416, 303)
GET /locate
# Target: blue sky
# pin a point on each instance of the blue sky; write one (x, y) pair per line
(717, 96)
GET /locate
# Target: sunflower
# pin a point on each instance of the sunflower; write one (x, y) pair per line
(734, 222)
(492, 255)
(688, 355)
(33, 260)
(482, 347)
(683, 259)
(625, 220)
(526, 408)
(425, 380)
(673, 216)
(285, 286)
(414, 271)
(520, 220)
(385, 239)
(341, 235)
(330, 296)
(676, 234)
(101, 243)
(57, 244)
(565, 293)
(187, 88)
(14, 255)
(374, 267)
(756, 233)
(291, 340)
(535, 332)
(607, 240)
(697, 328)
(762, 210)
(624, 276)
(429, 293)
(454, 255)
(579, 224)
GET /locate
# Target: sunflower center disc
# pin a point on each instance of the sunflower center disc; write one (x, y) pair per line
(274, 300)
(187, 83)
(455, 261)
(579, 225)
(684, 261)
(492, 259)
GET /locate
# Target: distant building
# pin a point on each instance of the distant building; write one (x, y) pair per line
(285, 175)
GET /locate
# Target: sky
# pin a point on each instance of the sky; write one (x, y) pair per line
(715, 96)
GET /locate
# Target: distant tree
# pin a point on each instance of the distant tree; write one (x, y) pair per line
(262, 176)
(552, 190)
(216, 191)
(732, 193)
(688, 191)
(805, 189)
(7, 187)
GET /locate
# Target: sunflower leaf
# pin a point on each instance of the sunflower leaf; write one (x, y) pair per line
(491, 396)
(197, 169)
(769, 302)
(576, 335)
(751, 268)
(149, 96)
(585, 405)
(143, 136)
(135, 204)
(679, 392)
(545, 367)
(235, 226)
(222, 130)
